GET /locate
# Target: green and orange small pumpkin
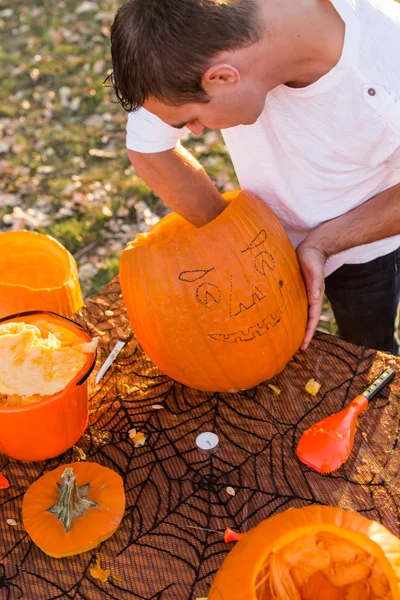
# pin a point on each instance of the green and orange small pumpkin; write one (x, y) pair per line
(73, 508)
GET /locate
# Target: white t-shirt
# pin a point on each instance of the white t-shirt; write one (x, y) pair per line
(319, 151)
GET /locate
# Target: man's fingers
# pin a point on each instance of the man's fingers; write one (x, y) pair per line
(314, 311)
(312, 264)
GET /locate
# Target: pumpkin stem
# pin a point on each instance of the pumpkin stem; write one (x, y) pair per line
(72, 500)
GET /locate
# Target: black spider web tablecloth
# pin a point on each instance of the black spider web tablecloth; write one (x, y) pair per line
(170, 486)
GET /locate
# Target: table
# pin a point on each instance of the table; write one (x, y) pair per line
(172, 489)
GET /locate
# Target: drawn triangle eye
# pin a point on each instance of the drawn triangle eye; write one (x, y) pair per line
(260, 238)
(194, 275)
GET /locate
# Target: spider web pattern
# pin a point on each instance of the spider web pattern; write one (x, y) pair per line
(172, 489)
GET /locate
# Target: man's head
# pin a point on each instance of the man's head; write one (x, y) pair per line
(164, 52)
(211, 63)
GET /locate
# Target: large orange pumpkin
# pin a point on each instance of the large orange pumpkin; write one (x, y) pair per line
(37, 273)
(312, 553)
(221, 307)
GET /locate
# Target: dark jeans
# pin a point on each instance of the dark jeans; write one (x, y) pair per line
(365, 300)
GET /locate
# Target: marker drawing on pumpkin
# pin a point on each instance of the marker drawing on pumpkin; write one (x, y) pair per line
(194, 274)
(206, 293)
(209, 294)
(237, 279)
(256, 297)
(263, 261)
(252, 332)
(260, 238)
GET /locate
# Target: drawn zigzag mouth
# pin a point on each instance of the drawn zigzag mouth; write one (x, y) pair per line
(253, 331)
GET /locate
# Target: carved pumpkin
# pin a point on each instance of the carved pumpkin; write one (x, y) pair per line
(37, 273)
(73, 508)
(42, 427)
(312, 553)
(221, 307)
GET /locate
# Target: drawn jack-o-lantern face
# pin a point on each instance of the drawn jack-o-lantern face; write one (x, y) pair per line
(218, 308)
(239, 295)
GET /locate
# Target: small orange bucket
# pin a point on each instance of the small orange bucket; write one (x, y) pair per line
(37, 273)
(48, 427)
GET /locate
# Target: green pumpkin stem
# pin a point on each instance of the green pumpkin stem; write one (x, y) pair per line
(72, 500)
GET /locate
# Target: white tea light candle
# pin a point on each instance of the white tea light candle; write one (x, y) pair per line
(207, 442)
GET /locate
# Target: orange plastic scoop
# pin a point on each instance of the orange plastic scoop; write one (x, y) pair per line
(326, 445)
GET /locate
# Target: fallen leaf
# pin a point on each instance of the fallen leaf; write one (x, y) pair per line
(98, 573)
(101, 153)
(230, 491)
(157, 406)
(275, 389)
(86, 7)
(12, 522)
(78, 454)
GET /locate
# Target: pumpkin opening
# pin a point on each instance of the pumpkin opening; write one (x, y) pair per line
(38, 359)
(322, 566)
(173, 226)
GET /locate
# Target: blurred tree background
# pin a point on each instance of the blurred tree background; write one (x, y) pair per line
(63, 163)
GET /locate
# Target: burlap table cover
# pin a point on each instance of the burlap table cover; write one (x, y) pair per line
(172, 489)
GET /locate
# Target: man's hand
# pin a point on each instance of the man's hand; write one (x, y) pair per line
(373, 220)
(312, 262)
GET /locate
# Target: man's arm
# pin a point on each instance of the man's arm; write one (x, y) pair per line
(374, 220)
(181, 182)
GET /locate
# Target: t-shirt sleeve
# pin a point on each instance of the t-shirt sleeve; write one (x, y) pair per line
(147, 133)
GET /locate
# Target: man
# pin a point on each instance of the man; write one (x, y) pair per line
(307, 95)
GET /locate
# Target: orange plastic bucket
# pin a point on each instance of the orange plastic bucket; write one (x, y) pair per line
(37, 273)
(49, 427)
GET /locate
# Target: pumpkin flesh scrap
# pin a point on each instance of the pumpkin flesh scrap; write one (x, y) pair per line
(97, 572)
(322, 566)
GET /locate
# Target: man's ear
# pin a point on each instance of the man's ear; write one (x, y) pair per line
(220, 75)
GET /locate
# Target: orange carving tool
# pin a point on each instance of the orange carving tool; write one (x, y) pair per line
(326, 445)
(229, 534)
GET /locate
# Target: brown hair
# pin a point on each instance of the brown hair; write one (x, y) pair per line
(162, 48)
